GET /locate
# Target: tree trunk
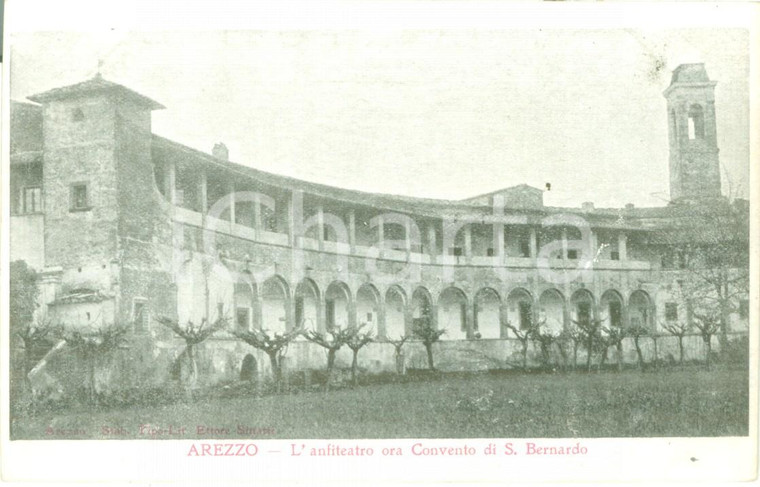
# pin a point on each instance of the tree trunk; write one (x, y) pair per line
(639, 354)
(575, 355)
(354, 367)
(193, 378)
(589, 347)
(680, 349)
(619, 356)
(276, 370)
(429, 350)
(525, 355)
(708, 350)
(603, 359)
(400, 365)
(91, 377)
(330, 364)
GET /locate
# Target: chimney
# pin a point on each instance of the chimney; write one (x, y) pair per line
(220, 151)
(629, 206)
(587, 206)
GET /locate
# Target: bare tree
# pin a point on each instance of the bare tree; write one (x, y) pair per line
(636, 332)
(590, 336)
(331, 340)
(91, 345)
(612, 337)
(274, 345)
(709, 325)
(399, 353)
(193, 335)
(678, 329)
(428, 334)
(544, 339)
(523, 336)
(358, 340)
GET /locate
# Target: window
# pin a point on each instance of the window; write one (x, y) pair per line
(489, 252)
(77, 115)
(696, 123)
(462, 317)
(330, 313)
(79, 197)
(615, 255)
(744, 309)
(572, 254)
(584, 313)
(456, 251)
(369, 317)
(140, 315)
(671, 311)
(242, 318)
(219, 311)
(325, 233)
(299, 310)
(31, 200)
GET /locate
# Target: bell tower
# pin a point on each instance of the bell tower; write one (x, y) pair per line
(694, 166)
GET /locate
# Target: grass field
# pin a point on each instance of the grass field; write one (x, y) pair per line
(687, 402)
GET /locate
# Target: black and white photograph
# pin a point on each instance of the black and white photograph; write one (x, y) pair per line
(227, 239)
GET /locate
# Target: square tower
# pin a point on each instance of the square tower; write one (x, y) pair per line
(694, 165)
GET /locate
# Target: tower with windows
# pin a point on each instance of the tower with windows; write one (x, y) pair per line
(694, 165)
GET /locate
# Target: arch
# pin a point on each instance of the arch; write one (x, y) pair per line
(582, 307)
(395, 311)
(640, 310)
(696, 122)
(275, 298)
(520, 308)
(611, 309)
(368, 305)
(307, 305)
(487, 315)
(551, 306)
(452, 313)
(337, 305)
(422, 303)
(244, 300)
(249, 368)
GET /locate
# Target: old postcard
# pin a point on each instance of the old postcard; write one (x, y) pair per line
(379, 243)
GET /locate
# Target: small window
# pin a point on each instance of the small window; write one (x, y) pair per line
(242, 318)
(696, 123)
(744, 309)
(615, 255)
(31, 200)
(489, 252)
(219, 311)
(325, 233)
(140, 316)
(77, 115)
(572, 254)
(671, 311)
(369, 317)
(456, 251)
(79, 197)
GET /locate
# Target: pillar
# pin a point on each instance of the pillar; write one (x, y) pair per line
(468, 241)
(407, 238)
(231, 189)
(500, 247)
(381, 233)
(203, 192)
(352, 230)
(321, 227)
(564, 243)
(622, 246)
(533, 243)
(170, 183)
(431, 241)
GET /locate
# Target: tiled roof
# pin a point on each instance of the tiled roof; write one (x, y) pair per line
(93, 85)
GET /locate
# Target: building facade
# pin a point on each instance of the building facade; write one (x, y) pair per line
(125, 226)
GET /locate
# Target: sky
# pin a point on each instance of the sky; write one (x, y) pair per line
(431, 113)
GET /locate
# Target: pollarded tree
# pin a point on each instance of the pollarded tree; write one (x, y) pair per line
(398, 346)
(612, 337)
(93, 344)
(193, 335)
(356, 341)
(590, 336)
(428, 334)
(332, 340)
(274, 345)
(544, 339)
(636, 332)
(678, 329)
(709, 325)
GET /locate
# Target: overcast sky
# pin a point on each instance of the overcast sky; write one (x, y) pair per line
(442, 114)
